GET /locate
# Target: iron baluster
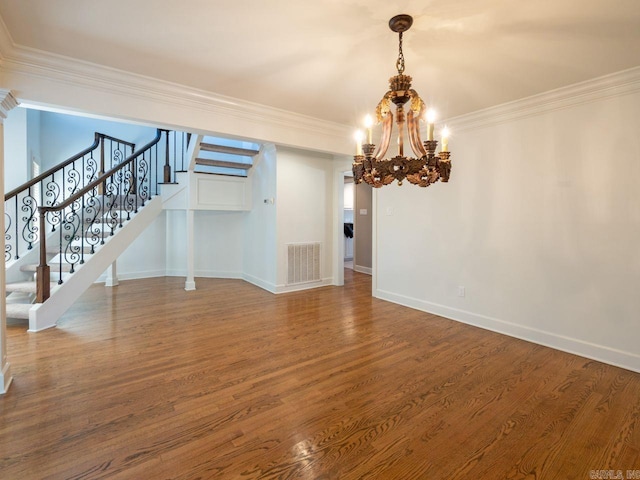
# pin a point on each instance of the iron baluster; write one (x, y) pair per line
(82, 222)
(101, 172)
(72, 226)
(134, 169)
(29, 230)
(186, 137)
(7, 237)
(16, 241)
(60, 250)
(121, 199)
(103, 219)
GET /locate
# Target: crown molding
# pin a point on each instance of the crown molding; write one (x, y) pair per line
(26, 61)
(612, 85)
(6, 42)
(74, 73)
(7, 102)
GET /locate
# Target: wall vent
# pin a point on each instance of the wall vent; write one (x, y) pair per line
(303, 263)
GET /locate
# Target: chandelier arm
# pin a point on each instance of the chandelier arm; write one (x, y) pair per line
(384, 107)
(413, 127)
(387, 127)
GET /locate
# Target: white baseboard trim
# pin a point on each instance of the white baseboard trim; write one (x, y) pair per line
(304, 286)
(134, 276)
(5, 378)
(172, 273)
(258, 282)
(601, 353)
(270, 287)
(203, 274)
(218, 274)
(360, 269)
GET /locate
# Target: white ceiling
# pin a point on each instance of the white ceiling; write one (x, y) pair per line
(331, 59)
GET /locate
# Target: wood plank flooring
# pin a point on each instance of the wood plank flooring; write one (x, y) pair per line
(147, 381)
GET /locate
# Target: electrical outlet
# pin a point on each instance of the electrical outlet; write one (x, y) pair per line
(461, 291)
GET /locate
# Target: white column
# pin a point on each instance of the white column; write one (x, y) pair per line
(190, 284)
(112, 275)
(7, 102)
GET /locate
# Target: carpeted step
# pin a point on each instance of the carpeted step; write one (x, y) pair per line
(21, 287)
(18, 310)
(54, 267)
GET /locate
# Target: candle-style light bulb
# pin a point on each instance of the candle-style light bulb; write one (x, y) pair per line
(445, 139)
(431, 118)
(368, 123)
(359, 136)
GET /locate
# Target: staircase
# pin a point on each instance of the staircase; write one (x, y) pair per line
(66, 226)
(213, 158)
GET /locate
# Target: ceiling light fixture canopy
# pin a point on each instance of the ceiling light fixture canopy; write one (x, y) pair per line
(426, 168)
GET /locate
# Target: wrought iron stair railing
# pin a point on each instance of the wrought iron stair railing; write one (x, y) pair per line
(55, 186)
(95, 204)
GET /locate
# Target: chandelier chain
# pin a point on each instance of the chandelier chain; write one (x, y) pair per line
(400, 62)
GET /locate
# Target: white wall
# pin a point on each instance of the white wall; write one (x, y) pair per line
(176, 237)
(161, 249)
(541, 225)
(260, 236)
(218, 238)
(33, 140)
(305, 206)
(62, 136)
(16, 165)
(145, 257)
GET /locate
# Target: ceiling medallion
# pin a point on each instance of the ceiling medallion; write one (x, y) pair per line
(426, 168)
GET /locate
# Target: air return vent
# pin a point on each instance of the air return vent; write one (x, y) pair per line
(303, 263)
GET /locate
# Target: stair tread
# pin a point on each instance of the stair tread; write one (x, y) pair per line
(54, 267)
(223, 164)
(23, 287)
(221, 174)
(18, 310)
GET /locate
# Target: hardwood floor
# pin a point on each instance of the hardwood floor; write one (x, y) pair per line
(147, 381)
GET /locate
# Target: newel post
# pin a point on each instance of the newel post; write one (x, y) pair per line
(43, 274)
(7, 102)
(167, 167)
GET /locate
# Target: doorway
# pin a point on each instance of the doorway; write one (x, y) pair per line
(348, 220)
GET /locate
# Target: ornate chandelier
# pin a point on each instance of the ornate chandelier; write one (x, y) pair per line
(427, 167)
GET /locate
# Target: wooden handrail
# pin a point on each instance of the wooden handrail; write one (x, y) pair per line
(101, 178)
(70, 160)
